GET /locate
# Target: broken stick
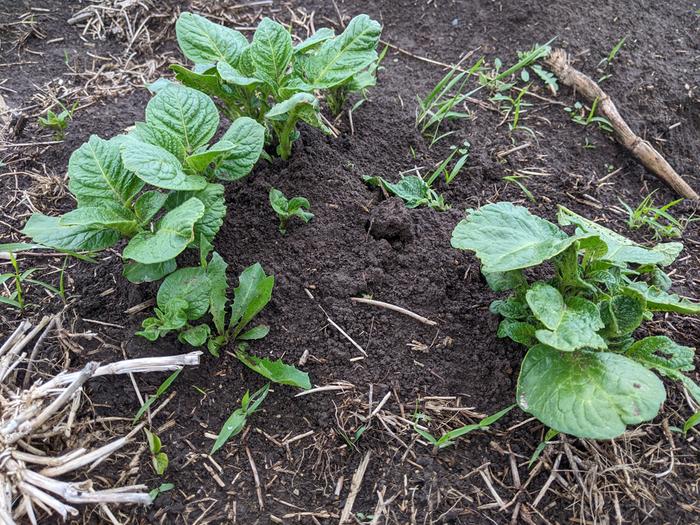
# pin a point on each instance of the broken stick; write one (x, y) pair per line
(645, 152)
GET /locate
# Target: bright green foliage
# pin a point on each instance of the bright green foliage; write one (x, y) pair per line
(58, 122)
(236, 422)
(288, 208)
(154, 186)
(159, 459)
(659, 220)
(584, 374)
(272, 81)
(412, 190)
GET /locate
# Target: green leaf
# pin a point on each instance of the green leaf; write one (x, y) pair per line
(339, 59)
(248, 139)
(659, 301)
(253, 293)
(97, 174)
(148, 205)
(622, 315)
(259, 332)
(14, 247)
(173, 233)
(146, 273)
(153, 398)
(49, 232)
(207, 82)
(160, 137)
(448, 438)
(579, 320)
(190, 285)
(205, 42)
(231, 75)
(237, 420)
(279, 202)
(196, 335)
(112, 216)
(546, 303)
(154, 444)
(160, 463)
(320, 36)
(692, 421)
(510, 308)
(271, 51)
(216, 271)
(667, 357)
(159, 167)
(413, 190)
(199, 162)
(185, 113)
(212, 197)
(518, 331)
(276, 371)
(507, 237)
(504, 281)
(587, 394)
(282, 110)
(621, 250)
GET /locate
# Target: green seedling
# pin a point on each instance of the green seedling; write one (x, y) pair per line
(450, 175)
(188, 294)
(549, 79)
(515, 179)
(659, 220)
(691, 422)
(58, 122)
(412, 190)
(236, 422)
(288, 208)
(448, 439)
(163, 487)
(272, 81)
(613, 53)
(159, 459)
(587, 144)
(20, 279)
(585, 373)
(352, 440)
(165, 385)
(155, 186)
(579, 115)
(549, 436)
(514, 107)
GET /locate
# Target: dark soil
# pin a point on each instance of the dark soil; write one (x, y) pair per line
(360, 243)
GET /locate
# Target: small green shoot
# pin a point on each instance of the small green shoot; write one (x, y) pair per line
(692, 421)
(237, 420)
(587, 144)
(412, 190)
(159, 459)
(153, 398)
(659, 220)
(514, 107)
(17, 297)
(515, 179)
(448, 438)
(58, 122)
(288, 208)
(164, 487)
(351, 440)
(613, 53)
(549, 436)
(579, 115)
(463, 153)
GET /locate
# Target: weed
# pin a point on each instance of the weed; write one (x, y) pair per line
(236, 422)
(613, 53)
(58, 122)
(579, 115)
(159, 392)
(159, 459)
(659, 220)
(515, 179)
(450, 175)
(549, 436)
(163, 487)
(412, 190)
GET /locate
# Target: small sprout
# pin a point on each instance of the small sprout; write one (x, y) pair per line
(613, 53)
(164, 487)
(153, 398)
(580, 116)
(659, 220)
(412, 190)
(159, 459)
(58, 122)
(286, 209)
(237, 420)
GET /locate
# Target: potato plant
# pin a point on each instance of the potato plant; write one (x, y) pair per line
(585, 373)
(273, 81)
(155, 186)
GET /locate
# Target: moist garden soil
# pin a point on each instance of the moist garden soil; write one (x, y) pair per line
(361, 243)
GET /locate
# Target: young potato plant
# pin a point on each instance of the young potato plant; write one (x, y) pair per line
(413, 190)
(585, 373)
(273, 81)
(155, 186)
(188, 294)
(288, 208)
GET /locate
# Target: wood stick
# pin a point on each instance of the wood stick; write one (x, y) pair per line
(645, 152)
(354, 488)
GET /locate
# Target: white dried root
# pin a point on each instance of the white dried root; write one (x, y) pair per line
(28, 476)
